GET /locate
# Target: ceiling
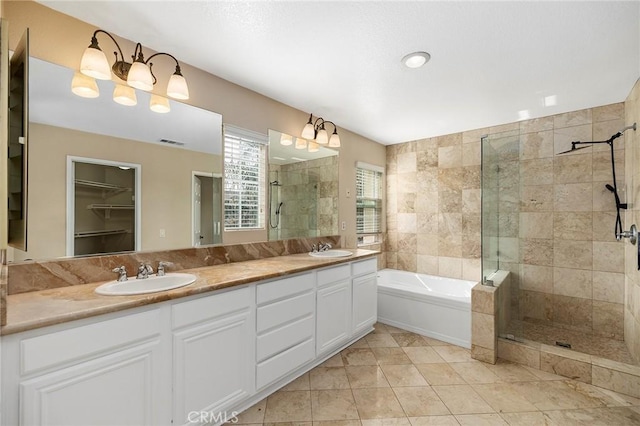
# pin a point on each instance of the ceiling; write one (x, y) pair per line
(341, 60)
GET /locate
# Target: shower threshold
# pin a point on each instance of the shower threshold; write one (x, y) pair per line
(579, 341)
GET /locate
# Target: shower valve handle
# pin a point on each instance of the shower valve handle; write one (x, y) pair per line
(631, 234)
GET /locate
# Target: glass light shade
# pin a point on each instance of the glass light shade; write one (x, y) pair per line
(124, 95)
(286, 140)
(322, 138)
(301, 143)
(84, 86)
(313, 147)
(177, 87)
(308, 132)
(94, 64)
(159, 104)
(334, 141)
(140, 77)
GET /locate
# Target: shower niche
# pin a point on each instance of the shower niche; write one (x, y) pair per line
(102, 207)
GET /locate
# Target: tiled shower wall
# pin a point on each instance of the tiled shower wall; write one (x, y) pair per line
(309, 193)
(632, 275)
(559, 240)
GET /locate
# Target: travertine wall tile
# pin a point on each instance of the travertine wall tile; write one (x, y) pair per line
(562, 366)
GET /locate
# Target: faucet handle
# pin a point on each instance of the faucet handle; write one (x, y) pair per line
(122, 273)
(161, 267)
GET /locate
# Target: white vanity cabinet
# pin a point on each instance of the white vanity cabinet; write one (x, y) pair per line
(186, 361)
(213, 353)
(333, 324)
(109, 372)
(365, 294)
(285, 326)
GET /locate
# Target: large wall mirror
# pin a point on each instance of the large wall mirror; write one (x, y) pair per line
(302, 188)
(177, 154)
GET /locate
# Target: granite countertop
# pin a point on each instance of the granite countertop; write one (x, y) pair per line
(36, 309)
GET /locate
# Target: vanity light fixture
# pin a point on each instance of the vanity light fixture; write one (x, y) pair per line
(314, 130)
(416, 59)
(137, 74)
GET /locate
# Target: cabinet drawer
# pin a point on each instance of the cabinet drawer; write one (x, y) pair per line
(332, 275)
(365, 267)
(285, 337)
(82, 342)
(285, 287)
(204, 308)
(284, 311)
(281, 364)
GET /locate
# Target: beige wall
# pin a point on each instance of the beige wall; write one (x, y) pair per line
(61, 39)
(632, 177)
(166, 187)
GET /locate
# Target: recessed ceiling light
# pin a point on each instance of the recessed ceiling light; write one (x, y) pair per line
(416, 59)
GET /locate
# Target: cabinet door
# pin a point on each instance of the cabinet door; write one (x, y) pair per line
(333, 315)
(213, 366)
(121, 388)
(365, 302)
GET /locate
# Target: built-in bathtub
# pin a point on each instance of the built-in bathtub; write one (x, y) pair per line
(433, 306)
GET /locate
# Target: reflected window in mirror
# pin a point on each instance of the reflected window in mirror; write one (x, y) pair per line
(244, 178)
(303, 188)
(368, 203)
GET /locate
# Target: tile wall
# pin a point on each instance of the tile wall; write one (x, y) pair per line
(632, 275)
(309, 192)
(557, 217)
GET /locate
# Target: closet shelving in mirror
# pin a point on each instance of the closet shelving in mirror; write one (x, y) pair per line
(106, 208)
(108, 190)
(101, 233)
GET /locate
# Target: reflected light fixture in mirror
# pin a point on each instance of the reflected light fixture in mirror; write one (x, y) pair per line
(313, 146)
(159, 104)
(84, 86)
(301, 143)
(314, 130)
(124, 95)
(286, 140)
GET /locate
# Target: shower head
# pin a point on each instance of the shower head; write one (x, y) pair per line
(573, 148)
(275, 183)
(610, 188)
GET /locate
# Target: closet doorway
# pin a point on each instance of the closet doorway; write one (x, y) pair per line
(206, 198)
(103, 206)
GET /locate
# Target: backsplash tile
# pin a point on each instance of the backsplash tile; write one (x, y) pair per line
(39, 275)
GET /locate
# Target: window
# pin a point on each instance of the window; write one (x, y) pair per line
(368, 203)
(244, 177)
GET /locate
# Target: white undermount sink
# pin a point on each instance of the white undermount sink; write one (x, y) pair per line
(331, 253)
(147, 285)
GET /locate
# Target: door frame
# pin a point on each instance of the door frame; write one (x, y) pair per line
(195, 173)
(71, 205)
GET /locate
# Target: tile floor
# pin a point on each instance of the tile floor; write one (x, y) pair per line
(393, 377)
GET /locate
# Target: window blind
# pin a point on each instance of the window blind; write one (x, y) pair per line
(368, 200)
(244, 178)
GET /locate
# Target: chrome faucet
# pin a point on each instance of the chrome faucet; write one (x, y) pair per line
(144, 271)
(323, 247)
(122, 273)
(314, 249)
(161, 265)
